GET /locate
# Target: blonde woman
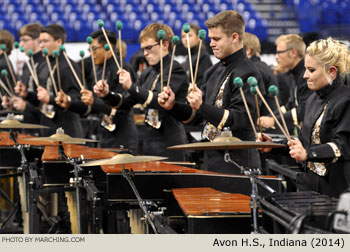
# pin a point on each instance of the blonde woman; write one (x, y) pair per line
(324, 143)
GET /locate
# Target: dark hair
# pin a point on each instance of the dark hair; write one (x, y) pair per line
(7, 38)
(99, 36)
(32, 30)
(56, 31)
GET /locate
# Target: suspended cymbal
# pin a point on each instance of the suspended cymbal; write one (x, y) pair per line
(223, 145)
(14, 124)
(123, 159)
(61, 137)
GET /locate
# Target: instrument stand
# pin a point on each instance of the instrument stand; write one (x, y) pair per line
(254, 180)
(76, 181)
(128, 176)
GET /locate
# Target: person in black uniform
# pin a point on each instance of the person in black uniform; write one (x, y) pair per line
(323, 146)
(204, 59)
(253, 49)
(25, 87)
(290, 51)
(54, 116)
(162, 129)
(7, 39)
(117, 125)
(219, 102)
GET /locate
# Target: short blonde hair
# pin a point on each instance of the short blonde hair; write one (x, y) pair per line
(151, 32)
(293, 41)
(331, 52)
(229, 21)
(251, 41)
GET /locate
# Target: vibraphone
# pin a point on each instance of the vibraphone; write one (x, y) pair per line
(297, 212)
(209, 211)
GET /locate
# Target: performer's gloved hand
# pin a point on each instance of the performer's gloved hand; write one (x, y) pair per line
(166, 99)
(296, 150)
(264, 138)
(63, 100)
(18, 103)
(124, 79)
(194, 97)
(6, 102)
(101, 88)
(43, 95)
(87, 97)
(21, 89)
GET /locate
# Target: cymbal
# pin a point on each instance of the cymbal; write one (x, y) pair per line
(14, 124)
(223, 145)
(61, 137)
(123, 159)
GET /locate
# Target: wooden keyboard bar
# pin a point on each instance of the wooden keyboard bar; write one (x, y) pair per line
(208, 201)
(6, 141)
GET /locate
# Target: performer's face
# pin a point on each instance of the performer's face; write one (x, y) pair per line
(47, 41)
(284, 56)
(315, 74)
(28, 43)
(151, 51)
(193, 38)
(222, 44)
(98, 52)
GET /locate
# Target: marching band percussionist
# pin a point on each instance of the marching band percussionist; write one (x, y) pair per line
(219, 102)
(322, 148)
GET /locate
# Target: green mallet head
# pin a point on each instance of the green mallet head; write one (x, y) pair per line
(62, 49)
(82, 53)
(16, 45)
(55, 53)
(4, 72)
(30, 53)
(238, 82)
(252, 81)
(100, 23)
(106, 47)
(176, 40)
(161, 34)
(253, 90)
(46, 51)
(119, 25)
(186, 27)
(21, 49)
(3, 47)
(89, 40)
(273, 90)
(202, 34)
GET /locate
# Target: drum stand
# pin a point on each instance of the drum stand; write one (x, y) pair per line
(128, 176)
(76, 181)
(254, 180)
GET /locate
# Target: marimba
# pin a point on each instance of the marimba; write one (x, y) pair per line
(210, 211)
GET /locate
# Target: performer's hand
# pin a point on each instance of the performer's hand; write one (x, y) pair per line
(264, 138)
(62, 100)
(18, 103)
(101, 89)
(166, 99)
(87, 96)
(43, 95)
(124, 79)
(194, 97)
(267, 122)
(6, 102)
(296, 150)
(21, 89)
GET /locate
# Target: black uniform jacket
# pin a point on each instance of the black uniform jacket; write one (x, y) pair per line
(203, 65)
(235, 65)
(334, 128)
(171, 131)
(299, 94)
